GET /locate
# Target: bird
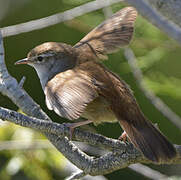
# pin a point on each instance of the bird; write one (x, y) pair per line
(76, 84)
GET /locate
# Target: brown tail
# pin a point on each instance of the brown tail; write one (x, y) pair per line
(142, 133)
(150, 141)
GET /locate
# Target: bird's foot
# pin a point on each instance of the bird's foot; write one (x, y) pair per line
(72, 126)
(71, 129)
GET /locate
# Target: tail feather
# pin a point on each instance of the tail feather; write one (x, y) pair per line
(150, 141)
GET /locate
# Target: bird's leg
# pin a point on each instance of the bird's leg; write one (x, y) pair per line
(124, 137)
(72, 126)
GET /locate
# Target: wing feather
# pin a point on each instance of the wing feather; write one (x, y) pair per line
(109, 36)
(68, 93)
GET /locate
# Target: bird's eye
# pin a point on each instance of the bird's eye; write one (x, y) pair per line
(40, 58)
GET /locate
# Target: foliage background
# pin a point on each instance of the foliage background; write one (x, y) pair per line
(158, 57)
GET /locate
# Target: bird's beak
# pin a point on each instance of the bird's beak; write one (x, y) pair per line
(22, 61)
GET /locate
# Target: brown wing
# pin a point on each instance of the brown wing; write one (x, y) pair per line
(68, 93)
(109, 36)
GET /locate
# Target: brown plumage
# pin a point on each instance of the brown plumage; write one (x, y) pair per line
(76, 84)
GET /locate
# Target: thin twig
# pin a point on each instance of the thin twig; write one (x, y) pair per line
(154, 17)
(22, 81)
(25, 145)
(157, 102)
(169, 8)
(148, 172)
(56, 18)
(76, 175)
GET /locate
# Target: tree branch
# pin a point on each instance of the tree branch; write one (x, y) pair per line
(60, 130)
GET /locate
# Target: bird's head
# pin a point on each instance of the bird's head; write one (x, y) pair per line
(50, 58)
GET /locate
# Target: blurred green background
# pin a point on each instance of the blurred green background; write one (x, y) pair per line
(158, 57)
